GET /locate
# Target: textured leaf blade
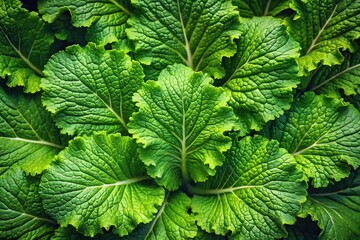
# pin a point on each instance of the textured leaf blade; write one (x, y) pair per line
(28, 136)
(196, 33)
(251, 8)
(99, 182)
(106, 21)
(262, 74)
(335, 79)
(255, 192)
(180, 123)
(25, 44)
(323, 28)
(336, 208)
(21, 212)
(90, 89)
(324, 136)
(171, 222)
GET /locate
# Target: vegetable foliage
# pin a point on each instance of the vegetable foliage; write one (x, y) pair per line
(205, 119)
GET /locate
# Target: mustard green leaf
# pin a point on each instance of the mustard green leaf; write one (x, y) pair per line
(195, 33)
(323, 134)
(28, 135)
(25, 43)
(336, 79)
(106, 20)
(251, 8)
(256, 191)
(336, 208)
(261, 76)
(171, 222)
(180, 123)
(99, 182)
(323, 28)
(21, 214)
(90, 89)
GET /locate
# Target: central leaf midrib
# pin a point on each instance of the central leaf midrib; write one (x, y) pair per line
(189, 60)
(40, 142)
(25, 59)
(314, 41)
(120, 183)
(200, 191)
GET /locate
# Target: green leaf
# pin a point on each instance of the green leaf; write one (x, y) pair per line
(171, 222)
(100, 182)
(21, 213)
(262, 74)
(90, 89)
(255, 192)
(180, 123)
(106, 20)
(323, 28)
(323, 135)
(70, 233)
(196, 33)
(344, 77)
(336, 208)
(25, 44)
(28, 136)
(250, 8)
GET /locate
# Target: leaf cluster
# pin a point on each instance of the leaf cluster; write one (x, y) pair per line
(204, 119)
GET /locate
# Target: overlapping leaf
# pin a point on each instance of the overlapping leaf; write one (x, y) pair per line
(323, 28)
(180, 123)
(262, 74)
(100, 182)
(336, 209)
(251, 8)
(255, 192)
(28, 136)
(345, 77)
(90, 89)
(323, 135)
(25, 44)
(171, 222)
(21, 212)
(196, 33)
(106, 19)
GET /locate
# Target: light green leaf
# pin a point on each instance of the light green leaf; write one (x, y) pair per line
(255, 192)
(323, 28)
(171, 222)
(346, 77)
(336, 209)
(90, 89)
(21, 213)
(25, 44)
(262, 74)
(196, 33)
(180, 123)
(100, 182)
(250, 8)
(106, 20)
(28, 136)
(323, 135)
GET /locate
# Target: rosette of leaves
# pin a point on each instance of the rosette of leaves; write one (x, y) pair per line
(178, 119)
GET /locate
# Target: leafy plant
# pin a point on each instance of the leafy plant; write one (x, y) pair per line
(205, 119)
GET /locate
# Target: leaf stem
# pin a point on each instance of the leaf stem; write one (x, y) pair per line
(121, 7)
